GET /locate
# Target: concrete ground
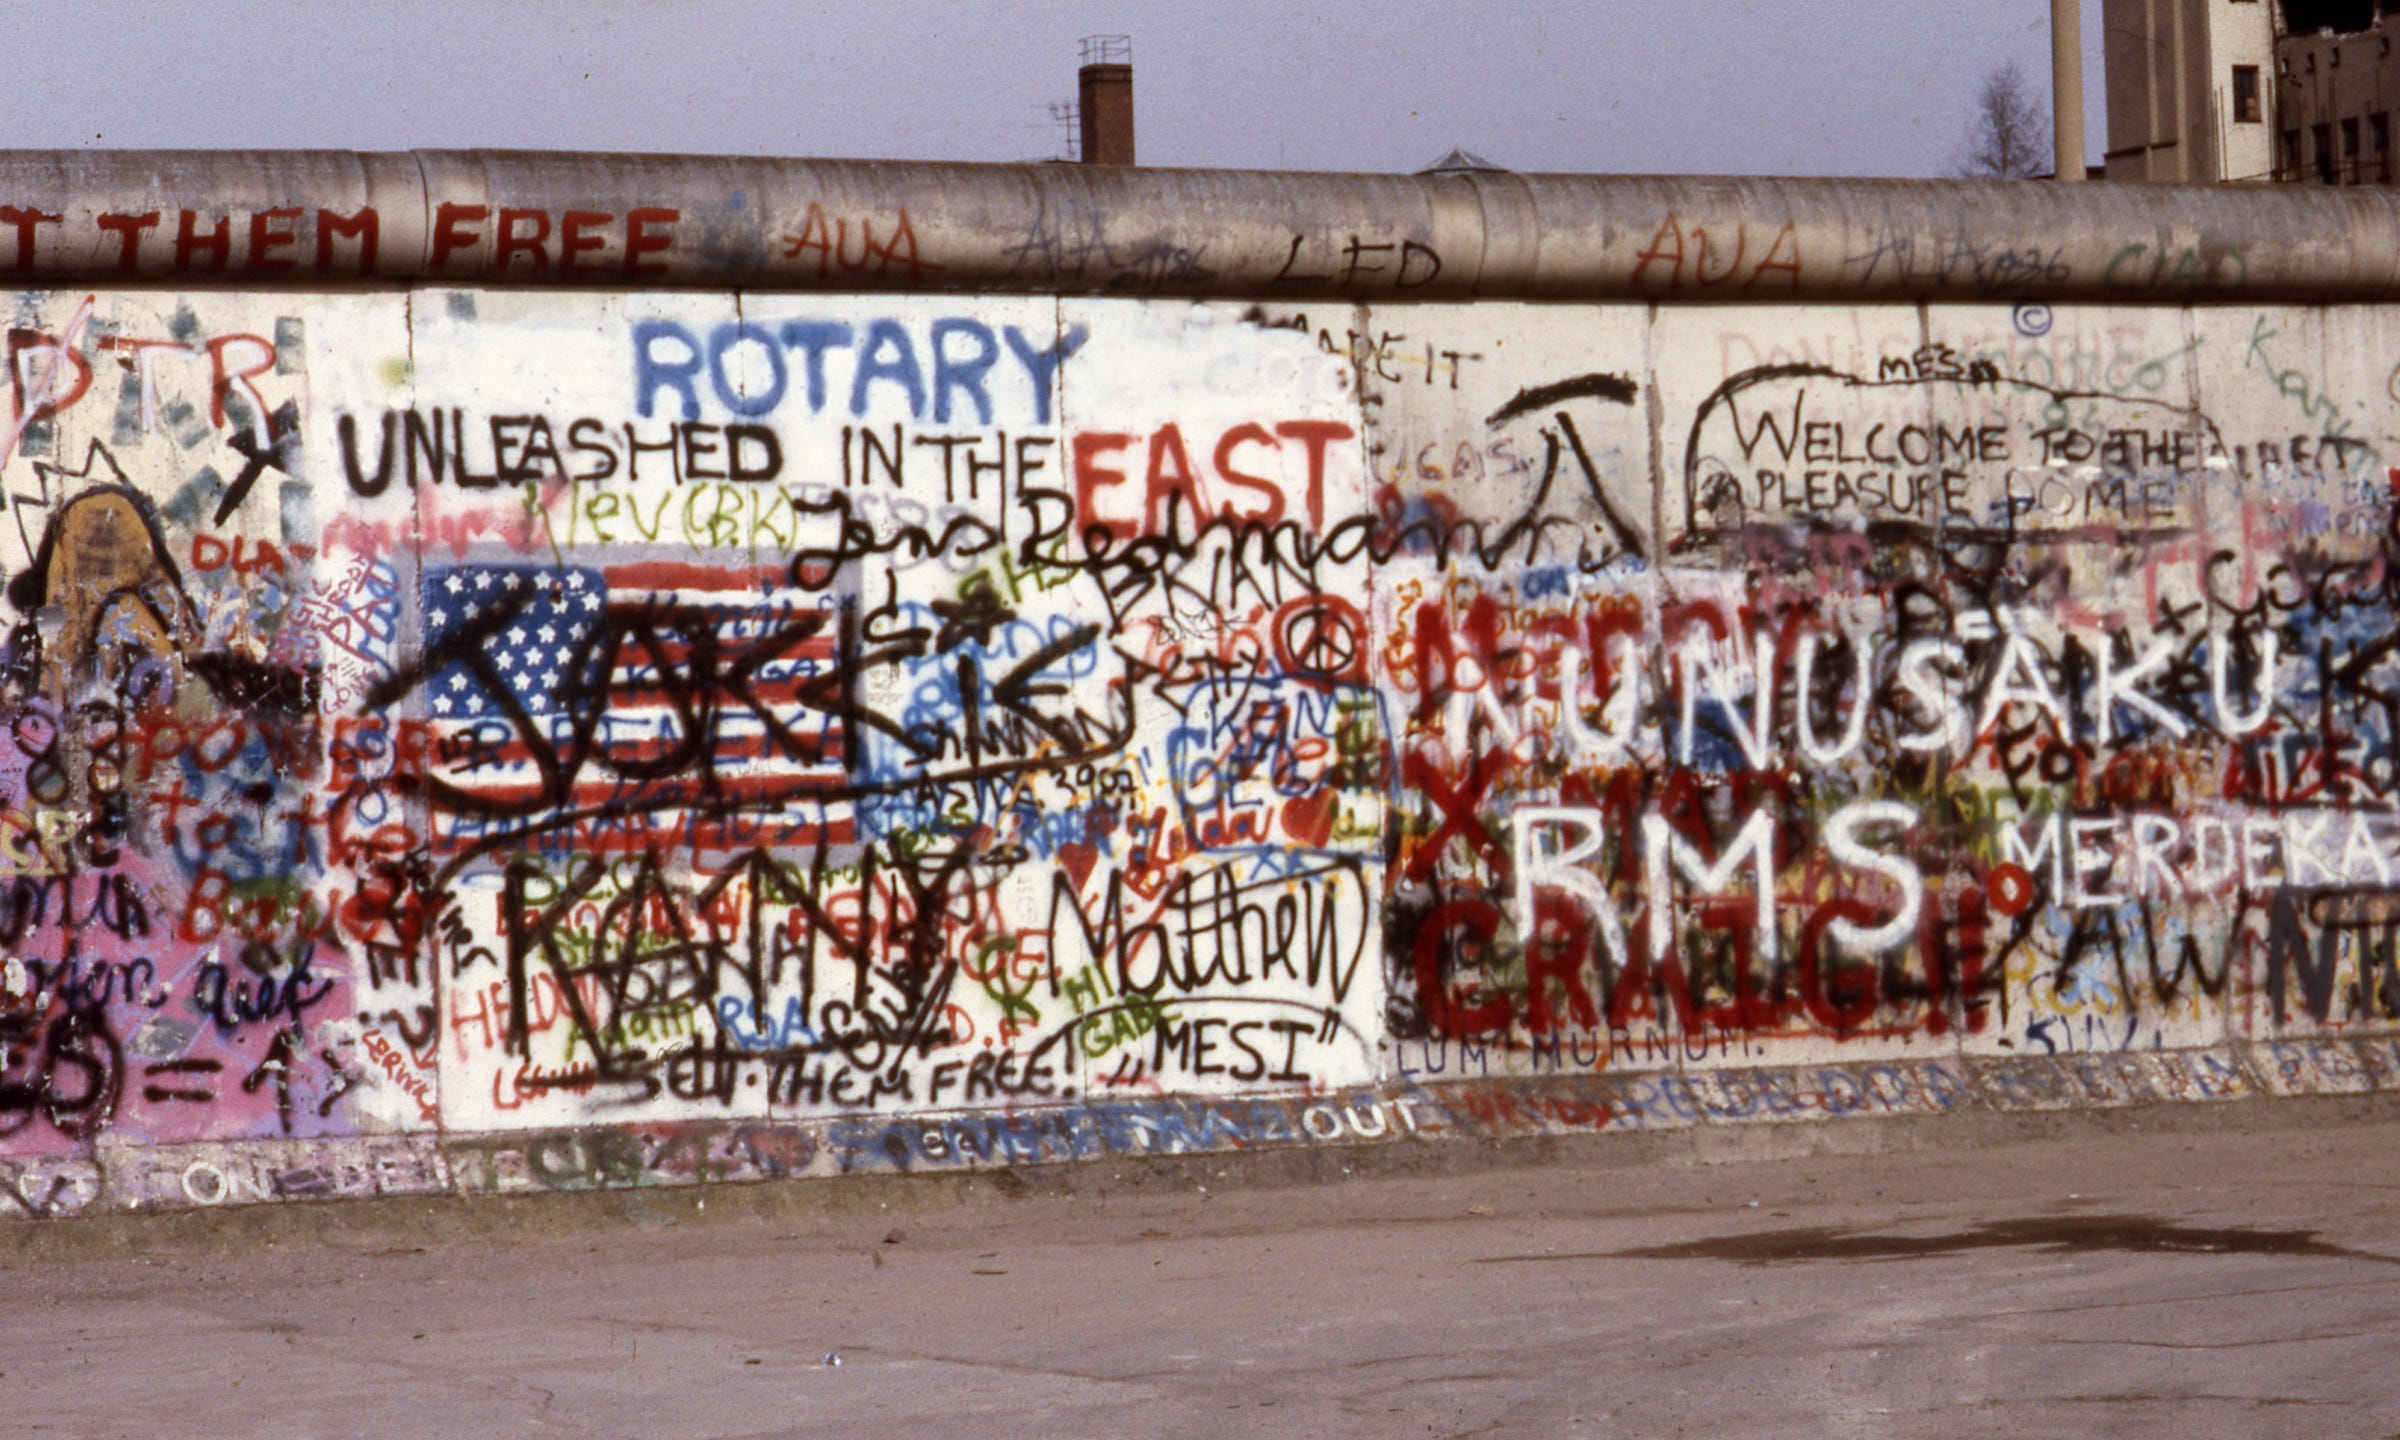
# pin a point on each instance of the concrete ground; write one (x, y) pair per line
(2205, 1272)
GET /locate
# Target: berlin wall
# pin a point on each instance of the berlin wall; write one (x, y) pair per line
(483, 734)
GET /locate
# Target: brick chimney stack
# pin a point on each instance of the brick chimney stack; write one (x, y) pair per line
(1106, 101)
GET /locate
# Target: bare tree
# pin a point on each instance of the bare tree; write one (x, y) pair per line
(2009, 138)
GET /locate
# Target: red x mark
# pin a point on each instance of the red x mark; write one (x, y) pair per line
(1458, 809)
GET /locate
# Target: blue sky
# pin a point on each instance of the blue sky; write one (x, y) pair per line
(1779, 87)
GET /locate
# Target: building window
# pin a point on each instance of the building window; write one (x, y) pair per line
(2291, 156)
(2379, 133)
(2321, 137)
(2245, 94)
(2350, 152)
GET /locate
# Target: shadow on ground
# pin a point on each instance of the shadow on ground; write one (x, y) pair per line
(2063, 1234)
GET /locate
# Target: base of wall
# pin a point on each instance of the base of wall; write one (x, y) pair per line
(1413, 1120)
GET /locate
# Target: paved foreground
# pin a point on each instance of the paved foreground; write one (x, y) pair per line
(2188, 1282)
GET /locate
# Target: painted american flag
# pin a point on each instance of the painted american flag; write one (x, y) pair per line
(655, 705)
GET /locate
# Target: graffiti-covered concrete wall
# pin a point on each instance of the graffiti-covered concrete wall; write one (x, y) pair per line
(477, 739)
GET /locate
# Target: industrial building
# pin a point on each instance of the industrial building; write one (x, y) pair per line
(2251, 91)
(2187, 82)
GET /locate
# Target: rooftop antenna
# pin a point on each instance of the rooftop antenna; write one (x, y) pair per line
(1064, 120)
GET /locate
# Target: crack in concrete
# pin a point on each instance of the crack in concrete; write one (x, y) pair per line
(2307, 1339)
(2203, 1296)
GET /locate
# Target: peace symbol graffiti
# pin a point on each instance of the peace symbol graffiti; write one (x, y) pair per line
(1322, 637)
